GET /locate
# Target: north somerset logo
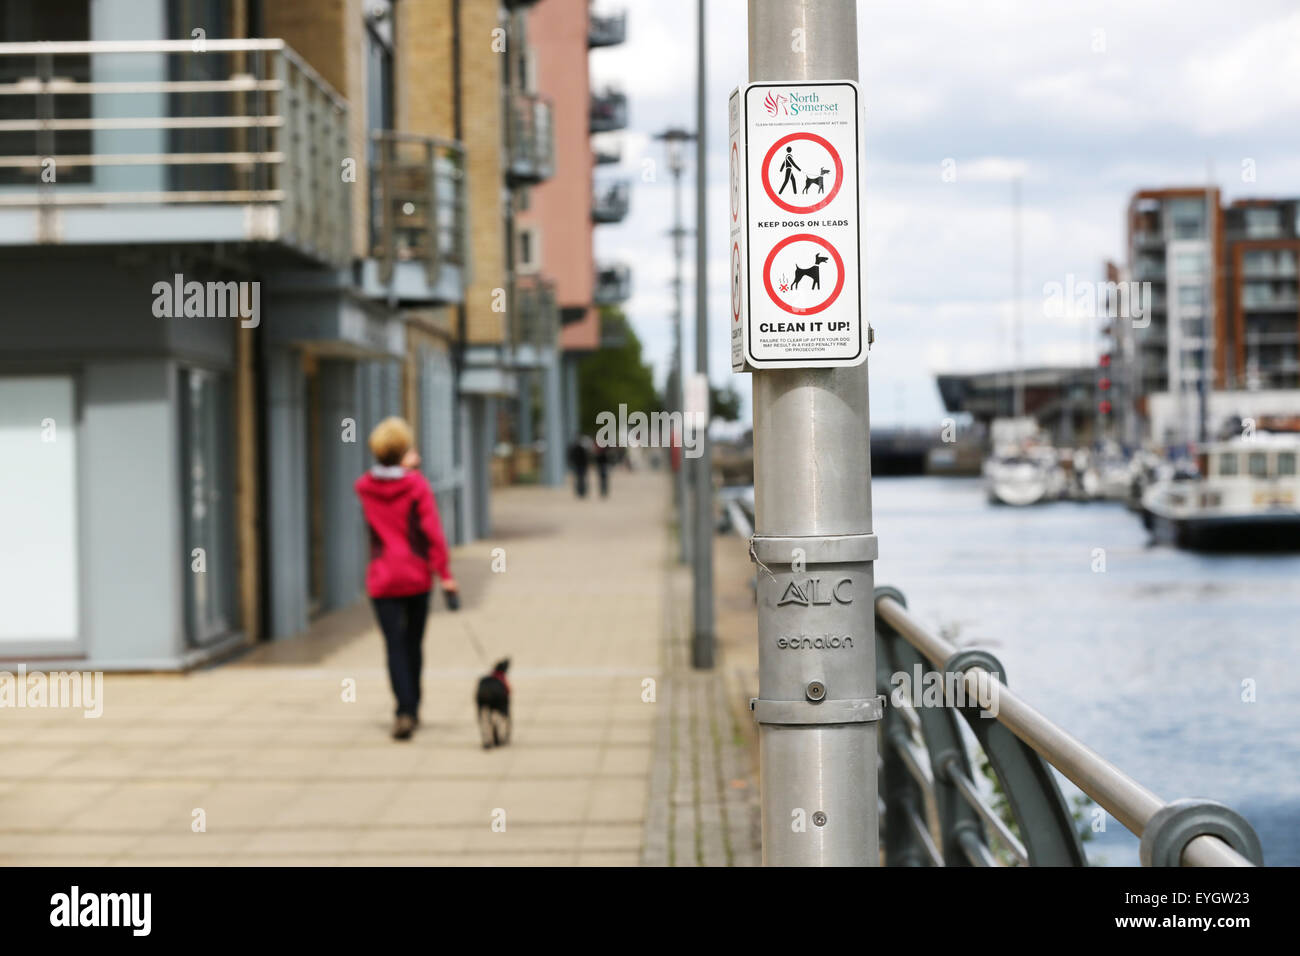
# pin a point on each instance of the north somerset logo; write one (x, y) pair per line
(776, 103)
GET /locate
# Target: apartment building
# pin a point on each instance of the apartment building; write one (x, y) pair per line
(553, 226)
(609, 114)
(1263, 246)
(234, 235)
(1225, 313)
(1175, 243)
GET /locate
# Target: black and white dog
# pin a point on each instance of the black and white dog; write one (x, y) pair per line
(813, 271)
(819, 180)
(493, 702)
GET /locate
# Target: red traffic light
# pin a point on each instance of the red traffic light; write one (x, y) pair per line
(1105, 360)
(1104, 384)
(1104, 408)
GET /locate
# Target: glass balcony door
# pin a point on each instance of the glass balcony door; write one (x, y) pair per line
(207, 499)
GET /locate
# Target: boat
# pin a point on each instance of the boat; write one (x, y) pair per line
(1023, 469)
(1244, 496)
(1107, 475)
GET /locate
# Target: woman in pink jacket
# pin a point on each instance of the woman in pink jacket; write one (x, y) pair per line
(406, 549)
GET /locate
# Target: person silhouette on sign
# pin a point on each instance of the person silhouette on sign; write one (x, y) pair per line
(788, 166)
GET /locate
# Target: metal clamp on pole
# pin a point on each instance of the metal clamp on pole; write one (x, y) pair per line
(804, 712)
(818, 706)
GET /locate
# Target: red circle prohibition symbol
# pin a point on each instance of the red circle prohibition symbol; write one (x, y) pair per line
(803, 237)
(735, 281)
(767, 165)
(735, 182)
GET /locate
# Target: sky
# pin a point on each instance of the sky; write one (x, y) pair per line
(1085, 102)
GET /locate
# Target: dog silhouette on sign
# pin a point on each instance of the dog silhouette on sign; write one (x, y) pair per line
(813, 272)
(819, 180)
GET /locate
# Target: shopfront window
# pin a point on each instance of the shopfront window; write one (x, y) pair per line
(39, 582)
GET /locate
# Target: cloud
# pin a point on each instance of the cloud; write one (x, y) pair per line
(1006, 89)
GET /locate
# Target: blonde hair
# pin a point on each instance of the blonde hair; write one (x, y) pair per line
(391, 440)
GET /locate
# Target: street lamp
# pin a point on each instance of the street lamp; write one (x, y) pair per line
(675, 140)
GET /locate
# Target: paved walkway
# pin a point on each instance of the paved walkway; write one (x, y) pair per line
(282, 763)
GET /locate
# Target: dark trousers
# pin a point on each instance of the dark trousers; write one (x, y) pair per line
(402, 621)
(580, 482)
(604, 479)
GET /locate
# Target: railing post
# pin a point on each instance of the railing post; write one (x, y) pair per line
(386, 150)
(817, 708)
(433, 223)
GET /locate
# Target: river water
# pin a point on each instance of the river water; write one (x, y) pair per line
(1144, 661)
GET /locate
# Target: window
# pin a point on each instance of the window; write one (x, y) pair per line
(1228, 464)
(1189, 263)
(1188, 217)
(1257, 463)
(1263, 223)
(39, 585)
(1191, 296)
(27, 21)
(1285, 464)
(530, 253)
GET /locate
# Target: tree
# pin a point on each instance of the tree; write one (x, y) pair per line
(724, 403)
(615, 374)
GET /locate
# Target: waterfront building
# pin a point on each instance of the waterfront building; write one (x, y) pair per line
(234, 236)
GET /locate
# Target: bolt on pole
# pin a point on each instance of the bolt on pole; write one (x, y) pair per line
(702, 527)
(817, 708)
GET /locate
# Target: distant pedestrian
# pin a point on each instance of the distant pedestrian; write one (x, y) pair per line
(406, 549)
(604, 461)
(578, 461)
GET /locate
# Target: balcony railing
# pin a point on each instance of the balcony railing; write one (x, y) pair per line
(1149, 271)
(610, 30)
(534, 318)
(171, 142)
(608, 111)
(607, 151)
(530, 141)
(418, 209)
(613, 284)
(610, 202)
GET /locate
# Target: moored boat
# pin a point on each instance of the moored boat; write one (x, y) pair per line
(1245, 497)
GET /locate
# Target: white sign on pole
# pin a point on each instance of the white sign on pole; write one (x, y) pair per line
(795, 238)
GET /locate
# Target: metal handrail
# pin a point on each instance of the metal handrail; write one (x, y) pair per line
(1130, 802)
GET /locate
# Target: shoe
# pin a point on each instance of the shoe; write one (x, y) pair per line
(403, 727)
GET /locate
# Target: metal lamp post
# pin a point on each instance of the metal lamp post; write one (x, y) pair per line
(817, 709)
(674, 141)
